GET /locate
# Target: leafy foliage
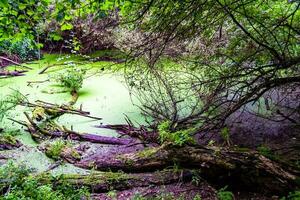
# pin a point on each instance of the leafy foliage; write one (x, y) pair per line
(267, 152)
(24, 49)
(71, 79)
(223, 194)
(292, 196)
(20, 19)
(225, 135)
(179, 138)
(55, 149)
(18, 183)
(9, 102)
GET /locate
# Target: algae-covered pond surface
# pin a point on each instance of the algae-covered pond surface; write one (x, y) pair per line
(104, 94)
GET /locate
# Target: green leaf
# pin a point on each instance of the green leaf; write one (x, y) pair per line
(68, 17)
(22, 6)
(4, 3)
(56, 37)
(30, 12)
(66, 26)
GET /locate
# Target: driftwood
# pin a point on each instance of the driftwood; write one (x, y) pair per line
(8, 142)
(243, 169)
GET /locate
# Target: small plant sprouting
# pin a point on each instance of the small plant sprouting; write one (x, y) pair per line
(54, 149)
(71, 79)
(223, 194)
(267, 152)
(179, 138)
(225, 134)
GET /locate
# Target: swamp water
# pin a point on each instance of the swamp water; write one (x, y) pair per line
(103, 94)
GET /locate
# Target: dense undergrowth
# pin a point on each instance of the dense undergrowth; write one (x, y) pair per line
(20, 50)
(19, 182)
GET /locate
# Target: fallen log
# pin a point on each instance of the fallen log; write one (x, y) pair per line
(100, 182)
(109, 59)
(219, 165)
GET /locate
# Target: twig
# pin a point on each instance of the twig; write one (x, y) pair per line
(19, 122)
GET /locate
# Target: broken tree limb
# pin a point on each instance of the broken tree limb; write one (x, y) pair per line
(94, 138)
(40, 133)
(56, 65)
(53, 109)
(247, 169)
(129, 130)
(14, 62)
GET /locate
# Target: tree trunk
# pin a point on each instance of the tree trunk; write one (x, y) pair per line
(242, 169)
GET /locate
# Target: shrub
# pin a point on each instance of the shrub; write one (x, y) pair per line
(25, 49)
(18, 183)
(292, 196)
(71, 79)
(179, 137)
(55, 149)
(225, 135)
(223, 194)
(9, 102)
(267, 152)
